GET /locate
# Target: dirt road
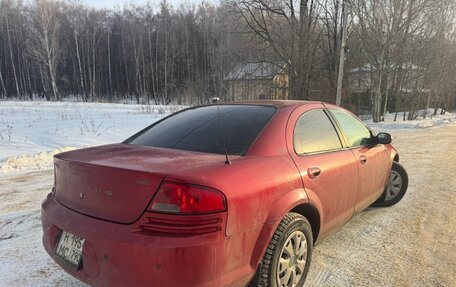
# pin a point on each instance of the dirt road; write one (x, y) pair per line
(410, 244)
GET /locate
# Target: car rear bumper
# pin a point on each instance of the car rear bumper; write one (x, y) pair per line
(119, 255)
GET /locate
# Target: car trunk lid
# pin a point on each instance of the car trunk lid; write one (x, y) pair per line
(117, 182)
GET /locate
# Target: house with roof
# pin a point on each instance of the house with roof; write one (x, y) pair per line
(405, 80)
(257, 81)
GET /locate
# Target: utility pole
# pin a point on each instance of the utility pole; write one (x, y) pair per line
(343, 46)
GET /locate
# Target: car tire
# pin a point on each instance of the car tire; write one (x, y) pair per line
(291, 245)
(396, 188)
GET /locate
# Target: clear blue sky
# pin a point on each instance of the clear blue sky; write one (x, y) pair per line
(121, 3)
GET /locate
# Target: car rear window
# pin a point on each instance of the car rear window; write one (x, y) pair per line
(198, 129)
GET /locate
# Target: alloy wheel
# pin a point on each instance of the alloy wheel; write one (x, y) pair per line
(292, 261)
(394, 185)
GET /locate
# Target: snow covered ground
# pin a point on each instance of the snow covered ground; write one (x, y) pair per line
(419, 123)
(410, 244)
(31, 132)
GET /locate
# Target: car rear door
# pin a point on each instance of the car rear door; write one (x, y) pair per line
(328, 170)
(372, 158)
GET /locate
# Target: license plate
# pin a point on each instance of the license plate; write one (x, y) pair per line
(69, 248)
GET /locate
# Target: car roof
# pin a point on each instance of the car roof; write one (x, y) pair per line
(274, 103)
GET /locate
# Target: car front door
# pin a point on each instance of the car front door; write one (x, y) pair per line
(372, 159)
(328, 170)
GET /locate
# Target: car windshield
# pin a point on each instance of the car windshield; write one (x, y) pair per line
(200, 129)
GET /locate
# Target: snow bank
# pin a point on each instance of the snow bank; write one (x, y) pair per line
(389, 125)
(20, 164)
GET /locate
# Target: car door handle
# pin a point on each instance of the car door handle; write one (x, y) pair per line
(363, 159)
(313, 172)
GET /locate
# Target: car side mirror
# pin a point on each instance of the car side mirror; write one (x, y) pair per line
(384, 138)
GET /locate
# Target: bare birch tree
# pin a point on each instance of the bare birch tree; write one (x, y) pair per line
(46, 47)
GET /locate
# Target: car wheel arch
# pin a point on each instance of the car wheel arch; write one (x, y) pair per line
(308, 205)
(282, 206)
(310, 212)
(396, 157)
(294, 201)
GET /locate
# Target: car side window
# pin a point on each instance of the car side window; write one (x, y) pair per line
(356, 133)
(314, 132)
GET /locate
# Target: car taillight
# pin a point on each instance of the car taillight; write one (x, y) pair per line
(179, 198)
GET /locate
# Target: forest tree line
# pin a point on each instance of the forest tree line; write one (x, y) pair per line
(164, 54)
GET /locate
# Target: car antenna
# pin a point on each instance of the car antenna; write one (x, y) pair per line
(217, 100)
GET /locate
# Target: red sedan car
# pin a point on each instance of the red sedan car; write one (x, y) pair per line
(234, 194)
